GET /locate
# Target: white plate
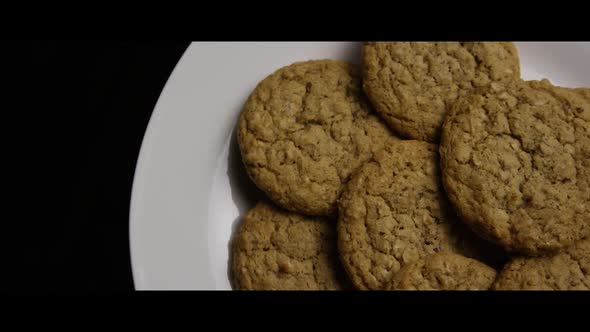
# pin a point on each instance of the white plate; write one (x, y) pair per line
(190, 188)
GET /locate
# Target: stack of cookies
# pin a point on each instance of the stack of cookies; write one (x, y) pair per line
(432, 167)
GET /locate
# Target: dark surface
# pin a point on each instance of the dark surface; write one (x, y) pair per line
(101, 94)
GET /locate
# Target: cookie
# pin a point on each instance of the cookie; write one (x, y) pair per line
(394, 212)
(304, 130)
(444, 271)
(516, 165)
(584, 92)
(279, 250)
(413, 85)
(567, 270)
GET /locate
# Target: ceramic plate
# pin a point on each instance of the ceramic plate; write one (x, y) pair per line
(190, 188)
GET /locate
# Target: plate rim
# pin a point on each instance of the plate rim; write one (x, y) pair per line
(139, 171)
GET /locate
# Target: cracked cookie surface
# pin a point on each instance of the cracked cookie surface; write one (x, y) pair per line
(275, 249)
(413, 84)
(444, 271)
(394, 212)
(304, 130)
(567, 270)
(516, 165)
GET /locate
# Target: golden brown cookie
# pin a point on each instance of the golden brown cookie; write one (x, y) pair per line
(304, 130)
(413, 84)
(394, 212)
(568, 270)
(516, 165)
(280, 250)
(444, 271)
(584, 91)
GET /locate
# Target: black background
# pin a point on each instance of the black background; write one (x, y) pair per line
(101, 95)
